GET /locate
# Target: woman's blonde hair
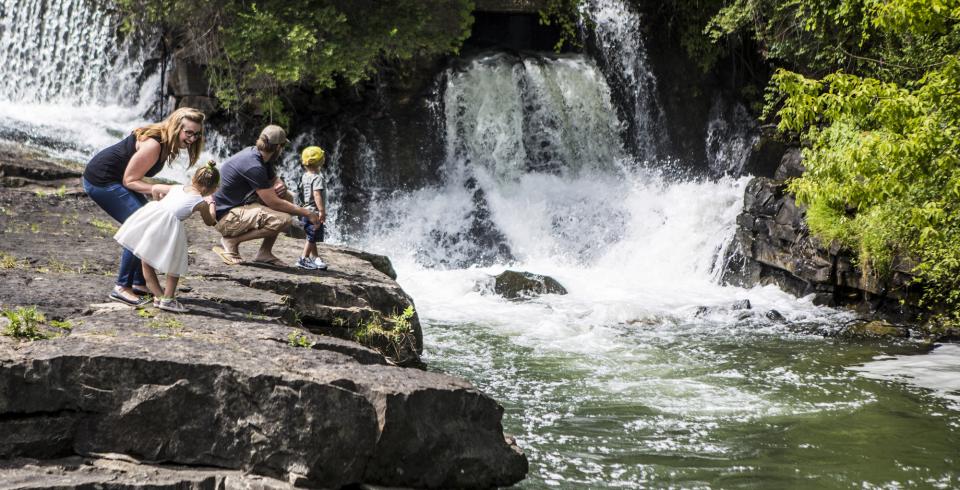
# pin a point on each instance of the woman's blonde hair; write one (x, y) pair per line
(168, 131)
(206, 178)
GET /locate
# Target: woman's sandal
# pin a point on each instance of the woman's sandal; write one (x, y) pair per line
(117, 295)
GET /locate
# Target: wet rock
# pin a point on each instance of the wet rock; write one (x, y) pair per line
(876, 329)
(24, 168)
(775, 316)
(743, 304)
(379, 262)
(515, 285)
(772, 245)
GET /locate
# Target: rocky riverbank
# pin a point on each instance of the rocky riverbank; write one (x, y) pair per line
(773, 246)
(261, 384)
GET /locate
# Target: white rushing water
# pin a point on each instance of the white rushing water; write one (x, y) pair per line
(71, 82)
(540, 138)
(619, 37)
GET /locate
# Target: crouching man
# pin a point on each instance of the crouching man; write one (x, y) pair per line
(253, 203)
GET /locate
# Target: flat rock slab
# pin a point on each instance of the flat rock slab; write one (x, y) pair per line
(79, 472)
(254, 380)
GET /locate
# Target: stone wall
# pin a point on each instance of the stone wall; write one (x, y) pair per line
(774, 246)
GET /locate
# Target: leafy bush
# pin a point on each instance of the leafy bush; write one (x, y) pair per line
(883, 165)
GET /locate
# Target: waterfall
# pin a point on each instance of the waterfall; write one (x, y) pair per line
(535, 172)
(67, 51)
(70, 81)
(620, 50)
(731, 134)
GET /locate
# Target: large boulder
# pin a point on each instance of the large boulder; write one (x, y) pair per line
(772, 245)
(518, 284)
(261, 376)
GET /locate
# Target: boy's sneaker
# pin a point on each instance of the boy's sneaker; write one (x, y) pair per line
(172, 305)
(305, 263)
(321, 265)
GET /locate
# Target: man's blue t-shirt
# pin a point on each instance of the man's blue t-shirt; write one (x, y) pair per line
(240, 178)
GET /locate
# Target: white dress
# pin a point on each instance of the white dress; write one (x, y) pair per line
(155, 232)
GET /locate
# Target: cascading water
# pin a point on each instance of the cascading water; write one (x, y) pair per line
(731, 133)
(647, 373)
(616, 28)
(67, 80)
(71, 82)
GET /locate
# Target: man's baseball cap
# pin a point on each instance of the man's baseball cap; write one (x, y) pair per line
(274, 135)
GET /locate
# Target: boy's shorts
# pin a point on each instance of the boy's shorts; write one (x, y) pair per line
(314, 233)
(242, 219)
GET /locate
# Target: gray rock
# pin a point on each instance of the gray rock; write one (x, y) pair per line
(772, 245)
(77, 472)
(516, 285)
(791, 165)
(258, 378)
(876, 329)
(775, 316)
(210, 388)
(743, 304)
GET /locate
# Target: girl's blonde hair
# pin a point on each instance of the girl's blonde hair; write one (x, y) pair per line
(206, 178)
(168, 131)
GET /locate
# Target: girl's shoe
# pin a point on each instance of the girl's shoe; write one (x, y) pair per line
(321, 265)
(172, 305)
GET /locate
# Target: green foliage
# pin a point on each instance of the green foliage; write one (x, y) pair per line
(256, 52)
(883, 162)
(25, 323)
(161, 323)
(298, 339)
(105, 227)
(8, 261)
(567, 16)
(394, 328)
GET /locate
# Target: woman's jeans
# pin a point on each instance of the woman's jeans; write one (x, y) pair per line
(119, 202)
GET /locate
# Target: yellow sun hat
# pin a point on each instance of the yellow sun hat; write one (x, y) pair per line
(312, 155)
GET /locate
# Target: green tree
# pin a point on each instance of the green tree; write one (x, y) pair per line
(883, 161)
(256, 51)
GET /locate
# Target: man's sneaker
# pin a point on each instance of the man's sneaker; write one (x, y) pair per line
(321, 265)
(305, 263)
(172, 305)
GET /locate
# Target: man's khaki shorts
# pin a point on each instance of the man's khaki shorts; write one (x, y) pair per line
(256, 216)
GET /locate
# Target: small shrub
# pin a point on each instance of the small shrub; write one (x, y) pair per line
(25, 323)
(8, 261)
(61, 324)
(298, 339)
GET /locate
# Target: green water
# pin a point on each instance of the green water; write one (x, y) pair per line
(698, 406)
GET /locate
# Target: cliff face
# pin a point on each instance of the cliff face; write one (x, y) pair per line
(259, 377)
(774, 246)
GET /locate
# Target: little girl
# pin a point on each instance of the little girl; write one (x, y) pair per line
(156, 235)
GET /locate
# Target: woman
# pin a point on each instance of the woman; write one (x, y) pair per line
(114, 180)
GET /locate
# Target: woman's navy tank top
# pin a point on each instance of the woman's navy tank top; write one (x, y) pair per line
(108, 166)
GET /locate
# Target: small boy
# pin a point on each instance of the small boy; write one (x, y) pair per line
(314, 195)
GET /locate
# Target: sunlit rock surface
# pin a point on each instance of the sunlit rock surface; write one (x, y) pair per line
(254, 379)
